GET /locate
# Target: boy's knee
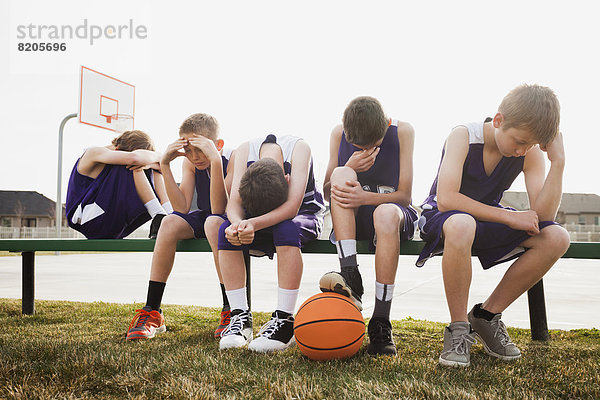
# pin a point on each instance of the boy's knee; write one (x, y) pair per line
(387, 218)
(459, 230)
(342, 174)
(556, 238)
(211, 228)
(212, 224)
(169, 227)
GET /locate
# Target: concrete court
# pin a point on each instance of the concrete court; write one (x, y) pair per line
(572, 294)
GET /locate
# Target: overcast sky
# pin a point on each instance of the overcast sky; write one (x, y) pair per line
(291, 68)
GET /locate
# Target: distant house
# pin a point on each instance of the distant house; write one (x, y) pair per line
(26, 209)
(575, 208)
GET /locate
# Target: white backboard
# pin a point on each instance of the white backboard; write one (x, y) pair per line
(103, 98)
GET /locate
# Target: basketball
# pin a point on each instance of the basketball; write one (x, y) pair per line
(329, 326)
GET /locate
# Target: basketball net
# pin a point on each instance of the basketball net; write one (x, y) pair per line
(121, 122)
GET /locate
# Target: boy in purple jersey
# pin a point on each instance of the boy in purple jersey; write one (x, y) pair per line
(462, 214)
(274, 207)
(113, 190)
(205, 168)
(368, 184)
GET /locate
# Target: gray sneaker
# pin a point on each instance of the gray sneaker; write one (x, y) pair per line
(494, 337)
(458, 338)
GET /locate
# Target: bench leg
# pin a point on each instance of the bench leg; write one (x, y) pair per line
(537, 312)
(28, 286)
(248, 269)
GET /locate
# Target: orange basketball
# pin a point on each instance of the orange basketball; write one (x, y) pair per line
(329, 326)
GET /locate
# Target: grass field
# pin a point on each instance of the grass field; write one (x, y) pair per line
(78, 350)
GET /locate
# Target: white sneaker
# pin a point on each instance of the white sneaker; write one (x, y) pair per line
(239, 331)
(276, 335)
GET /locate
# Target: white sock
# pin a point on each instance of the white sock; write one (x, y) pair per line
(153, 207)
(346, 248)
(384, 292)
(168, 207)
(237, 299)
(286, 299)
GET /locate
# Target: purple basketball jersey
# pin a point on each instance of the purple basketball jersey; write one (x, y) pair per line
(107, 207)
(382, 177)
(203, 183)
(196, 217)
(494, 242)
(303, 228)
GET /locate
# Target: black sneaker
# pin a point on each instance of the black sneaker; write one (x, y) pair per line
(276, 335)
(347, 283)
(155, 225)
(381, 341)
(239, 331)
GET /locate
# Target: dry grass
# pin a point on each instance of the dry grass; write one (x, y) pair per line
(77, 350)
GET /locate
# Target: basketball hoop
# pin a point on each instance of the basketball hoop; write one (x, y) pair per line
(121, 122)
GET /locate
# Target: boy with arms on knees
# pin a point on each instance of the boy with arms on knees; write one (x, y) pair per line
(204, 170)
(462, 213)
(369, 183)
(266, 215)
(113, 190)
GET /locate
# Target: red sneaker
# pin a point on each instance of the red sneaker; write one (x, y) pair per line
(225, 318)
(145, 324)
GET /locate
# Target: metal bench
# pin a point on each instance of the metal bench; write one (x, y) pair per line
(28, 247)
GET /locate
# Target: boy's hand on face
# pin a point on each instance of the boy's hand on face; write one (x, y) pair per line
(246, 231)
(362, 160)
(555, 149)
(174, 150)
(524, 221)
(231, 234)
(350, 196)
(206, 146)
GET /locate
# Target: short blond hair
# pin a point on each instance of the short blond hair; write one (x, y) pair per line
(201, 124)
(534, 108)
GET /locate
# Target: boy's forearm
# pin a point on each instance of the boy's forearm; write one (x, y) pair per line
(282, 213)
(218, 193)
(548, 200)
(175, 195)
(145, 157)
(234, 210)
(482, 212)
(397, 197)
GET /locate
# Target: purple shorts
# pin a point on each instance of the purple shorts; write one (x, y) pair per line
(196, 220)
(494, 243)
(296, 232)
(365, 229)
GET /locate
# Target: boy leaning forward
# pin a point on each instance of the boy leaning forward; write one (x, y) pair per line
(462, 214)
(368, 184)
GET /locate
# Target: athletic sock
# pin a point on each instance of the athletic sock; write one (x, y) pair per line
(168, 207)
(480, 312)
(347, 254)
(237, 299)
(383, 300)
(155, 294)
(286, 299)
(153, 207)
(225, 299)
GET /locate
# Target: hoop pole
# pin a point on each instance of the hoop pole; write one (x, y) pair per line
(59, 175)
